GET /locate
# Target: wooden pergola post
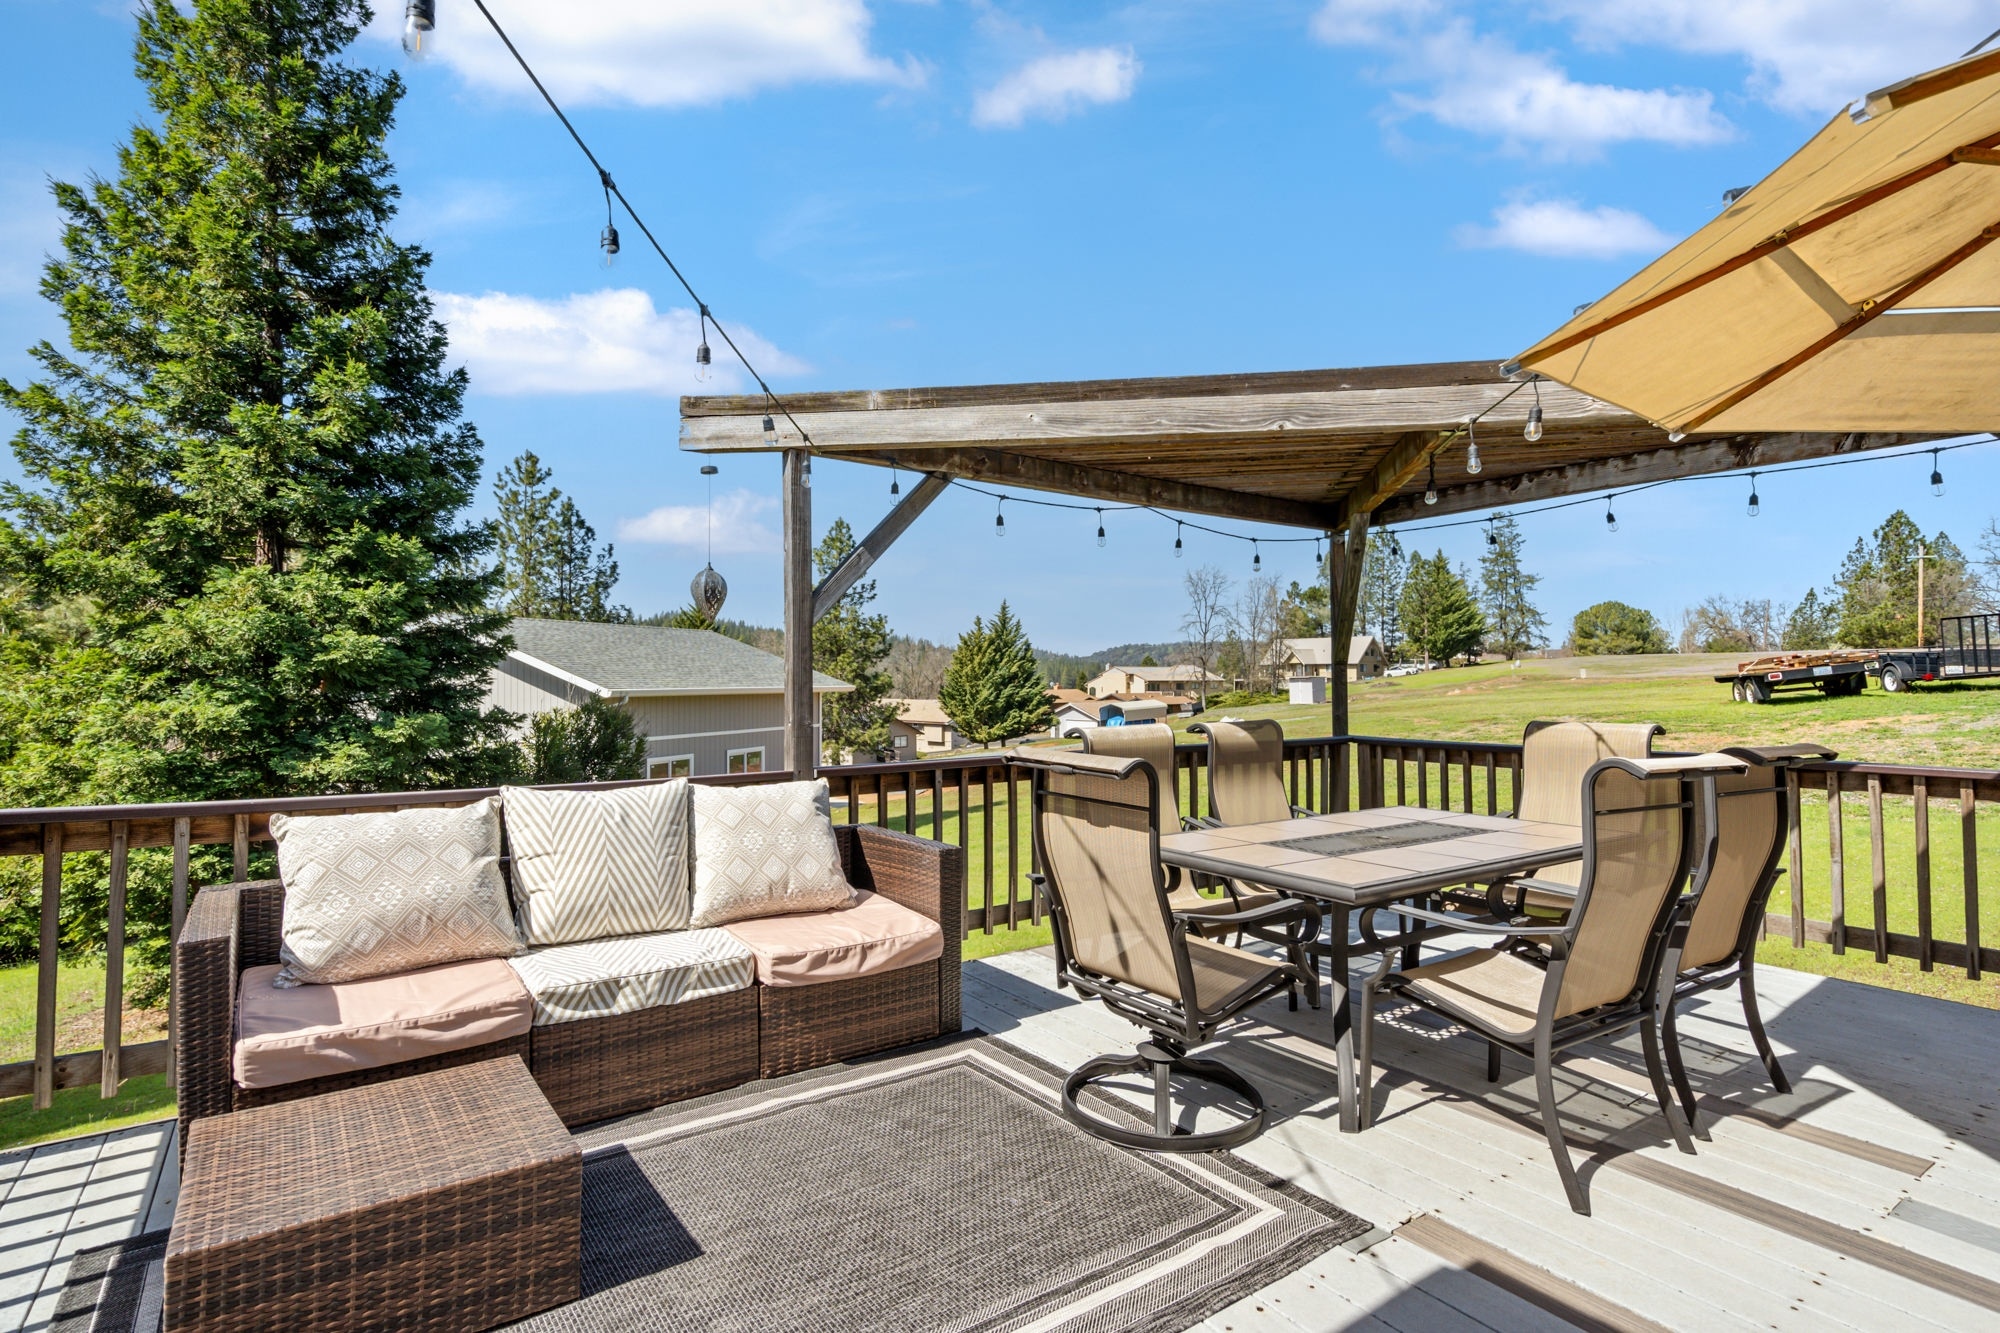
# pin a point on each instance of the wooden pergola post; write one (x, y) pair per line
(1349, 550)
(801, 745)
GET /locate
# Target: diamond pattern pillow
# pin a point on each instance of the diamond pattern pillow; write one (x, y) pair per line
(593, 864)
(367, 895)
(766, 850)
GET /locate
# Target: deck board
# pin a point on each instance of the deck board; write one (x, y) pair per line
(1786, 1217)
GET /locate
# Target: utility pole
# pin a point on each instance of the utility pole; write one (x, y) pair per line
(1923, 553)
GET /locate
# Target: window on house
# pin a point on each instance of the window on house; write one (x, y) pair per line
(673, 766)
(902, 742)
(747, 761)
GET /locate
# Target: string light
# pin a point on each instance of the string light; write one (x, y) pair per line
(1431, 486)
(1100, 529)
(1753, 506)
(1256, 555)
(1610, 516)
(1533, 432)
(770, 433)
(1492, 536)
(608, 240)
(1937, 477)
(999, 519)
(895, 478)
(419, 20)
(1178, 525)
(1471, 447)
(702, 359)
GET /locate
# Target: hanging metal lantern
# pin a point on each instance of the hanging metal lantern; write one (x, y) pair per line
(710, 592)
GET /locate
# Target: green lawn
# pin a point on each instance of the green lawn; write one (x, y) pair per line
(79, 1027)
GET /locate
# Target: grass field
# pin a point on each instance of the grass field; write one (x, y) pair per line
(79, 1027)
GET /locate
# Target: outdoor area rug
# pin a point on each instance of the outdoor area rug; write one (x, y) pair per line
(937, 1188)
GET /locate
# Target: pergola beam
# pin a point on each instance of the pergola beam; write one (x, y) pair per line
(1113, 487)
(1403, 460)
(1690, 458)
(858, 562)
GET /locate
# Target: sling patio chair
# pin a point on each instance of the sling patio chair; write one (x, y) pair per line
(1118, 939)
(1246, 771)
(1154, 743)
(1603, 965)
(1554, 757)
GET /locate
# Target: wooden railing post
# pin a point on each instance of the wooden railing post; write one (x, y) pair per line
(183, 834)
(114, 961)
(1795, 839)
(1920, 794)
(1968, 826)
(45, 976)
(1878, 869)
(1837, 866)
(239, 846)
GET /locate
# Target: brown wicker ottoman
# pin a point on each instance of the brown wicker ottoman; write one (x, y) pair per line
(448, 1200)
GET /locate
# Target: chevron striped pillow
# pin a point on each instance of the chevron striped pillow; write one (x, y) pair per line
(593, 864)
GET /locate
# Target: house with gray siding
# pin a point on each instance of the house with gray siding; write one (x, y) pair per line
(706, 703)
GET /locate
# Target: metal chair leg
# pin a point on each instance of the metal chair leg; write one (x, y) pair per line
(1649, 1038)
(1746, 982)
(1492, 1062)
(1677, 1068)
(1162, 1062)
(1545, 1087)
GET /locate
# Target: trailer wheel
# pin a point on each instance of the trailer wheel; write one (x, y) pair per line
(1736, 690)
(1756, 691)
(1892, 680)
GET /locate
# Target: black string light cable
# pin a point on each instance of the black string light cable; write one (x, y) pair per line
(610, 239)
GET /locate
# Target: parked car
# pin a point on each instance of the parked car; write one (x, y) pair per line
(1406, 669)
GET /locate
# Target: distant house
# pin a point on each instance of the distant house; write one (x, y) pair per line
(921, 726)
(1307, 659)
(706, 703)
(1084, 714)
(1151, 680)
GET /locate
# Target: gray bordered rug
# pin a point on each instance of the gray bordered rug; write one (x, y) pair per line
(938, 1188)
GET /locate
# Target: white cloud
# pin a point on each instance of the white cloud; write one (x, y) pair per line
(1481, 83)
(1565, 229)
(659, 52)
(1054, 86)
(738, 527)
(610, 341)
(1810, 56)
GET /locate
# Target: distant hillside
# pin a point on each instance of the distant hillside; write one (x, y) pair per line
(1063, 667)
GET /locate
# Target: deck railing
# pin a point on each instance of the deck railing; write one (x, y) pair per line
(980, 803)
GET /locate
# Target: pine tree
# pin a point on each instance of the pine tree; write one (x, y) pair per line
(1514, 625)
(1878, 586)
(550, 567)
(1382, 573)
(1438, 611)
(849, 644)
(253, 466)
(1810, 624)
(993, 690)
(1303, 612)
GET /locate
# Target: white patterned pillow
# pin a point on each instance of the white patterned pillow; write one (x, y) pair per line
(766, 850)
(367, 895)
(592, 864)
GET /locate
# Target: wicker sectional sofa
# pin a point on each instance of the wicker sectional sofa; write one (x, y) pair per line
(592, 1068)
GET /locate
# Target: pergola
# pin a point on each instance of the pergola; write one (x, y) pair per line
(1334, 451)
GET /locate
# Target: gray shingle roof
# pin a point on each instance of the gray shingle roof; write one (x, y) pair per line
(647, 659)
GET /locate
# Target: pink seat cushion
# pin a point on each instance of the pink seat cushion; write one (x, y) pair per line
(875, 935)
(301, 1032)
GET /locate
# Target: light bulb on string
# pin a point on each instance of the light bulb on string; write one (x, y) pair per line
(1492, 537)
(1610, 517)
(895, 479)
(1256, 555)
(1754, 507)
(999, 518)
(1177, 539)
(1100, 529)
(419, 23)
(770, 433)
(608, 239)
(1472, 464)
(702, 358)
(1937, 477)
(1431, 486)
(1533, 432)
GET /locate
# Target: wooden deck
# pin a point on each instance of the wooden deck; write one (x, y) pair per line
(1868, 1199)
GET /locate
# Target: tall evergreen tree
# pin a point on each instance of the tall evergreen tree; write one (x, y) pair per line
(550, 566)
(1810, 624)
(849, 644)
(1513, 624)
(1437, 609)
(993, 690)
(1304, 612)
(1376, 609)
(1878, 586)
(253, 465)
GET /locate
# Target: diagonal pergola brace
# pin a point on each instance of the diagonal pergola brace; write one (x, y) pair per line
(872, 548)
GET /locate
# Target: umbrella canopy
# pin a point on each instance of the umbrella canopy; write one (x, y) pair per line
(1855, 288)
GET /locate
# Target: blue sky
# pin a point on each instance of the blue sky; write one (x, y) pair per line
(899, 193)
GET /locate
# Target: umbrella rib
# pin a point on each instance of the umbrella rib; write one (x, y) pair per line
(1867, 313)
(1865, 199)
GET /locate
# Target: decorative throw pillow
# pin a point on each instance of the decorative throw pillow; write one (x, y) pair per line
(766, 850)
(592, 864)
(367, 895)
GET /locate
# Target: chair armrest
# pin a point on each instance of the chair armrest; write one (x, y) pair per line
(1285, 909)
(204, 975)
(1555, 888)
(1468, 926)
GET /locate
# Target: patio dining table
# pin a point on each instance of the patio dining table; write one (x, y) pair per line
(1361, 860)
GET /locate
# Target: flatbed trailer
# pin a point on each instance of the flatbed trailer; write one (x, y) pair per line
(1831, 673)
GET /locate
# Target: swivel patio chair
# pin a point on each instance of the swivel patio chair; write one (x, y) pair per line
(1604, 959)
(1154, 743)
(1118, 939)
(1246, 772)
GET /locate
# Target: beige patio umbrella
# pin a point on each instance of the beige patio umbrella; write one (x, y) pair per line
(1855, 288)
